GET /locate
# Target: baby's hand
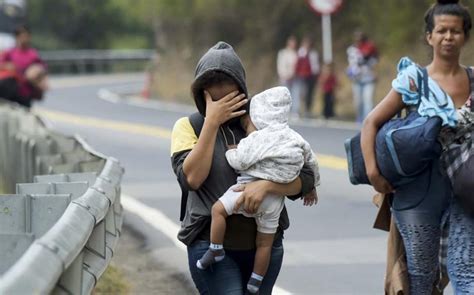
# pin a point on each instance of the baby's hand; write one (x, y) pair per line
(310, 198)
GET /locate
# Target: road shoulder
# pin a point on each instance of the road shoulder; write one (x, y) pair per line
(143, 273)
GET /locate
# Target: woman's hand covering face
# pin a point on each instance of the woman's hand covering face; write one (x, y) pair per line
(226, 108)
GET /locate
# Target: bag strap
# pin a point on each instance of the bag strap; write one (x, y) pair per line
(197, 121)
(443, 100)
(426, 89)
(184, 201)
(469, 71)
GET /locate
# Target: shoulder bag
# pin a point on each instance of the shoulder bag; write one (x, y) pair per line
(404, 147)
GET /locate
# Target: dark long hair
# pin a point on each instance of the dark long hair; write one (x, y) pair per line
(448, 7)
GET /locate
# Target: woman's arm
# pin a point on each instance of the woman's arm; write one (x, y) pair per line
(254, 192)
(384, 111)
(197, 164)
(285, 189)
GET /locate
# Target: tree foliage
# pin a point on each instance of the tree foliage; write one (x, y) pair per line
(255, 25)
(183, 29)
(78, 23)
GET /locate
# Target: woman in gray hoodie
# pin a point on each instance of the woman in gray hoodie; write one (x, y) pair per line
(198, 148)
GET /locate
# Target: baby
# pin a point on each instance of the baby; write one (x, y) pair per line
(271, 151)
(37, 76)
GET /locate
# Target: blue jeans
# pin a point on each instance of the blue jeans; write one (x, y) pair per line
(363, 93)
(230, 276)
(420, 208)
(303, 90)
(290, 84)
(461, 250)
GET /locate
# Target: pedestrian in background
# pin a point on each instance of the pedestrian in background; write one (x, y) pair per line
(328, 81)
(286, 64)
(10, 82)
(362, 57)
(18, 60)
(23, 72)
(306, 74)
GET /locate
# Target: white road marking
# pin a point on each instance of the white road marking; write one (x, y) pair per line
(153, 217)
(186, 108)
(162, 223)
(108, 95)
(156, 104)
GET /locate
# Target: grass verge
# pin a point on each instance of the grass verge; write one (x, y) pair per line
(112, 282)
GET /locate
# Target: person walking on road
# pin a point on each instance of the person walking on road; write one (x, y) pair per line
(10, 84)
(198, 147)
(25, 65)
(286, 64)
(425, 207)
(362, 57)
(306, 74)
(328, 82)
(271, 151)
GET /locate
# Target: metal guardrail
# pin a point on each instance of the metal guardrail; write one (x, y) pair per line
(60, 227)
(89, 60)
(92, 54)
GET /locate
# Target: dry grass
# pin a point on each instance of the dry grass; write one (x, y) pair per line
(112, 282)
(172, 79)
(175, 75)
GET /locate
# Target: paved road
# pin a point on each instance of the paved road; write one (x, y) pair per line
(329, 249)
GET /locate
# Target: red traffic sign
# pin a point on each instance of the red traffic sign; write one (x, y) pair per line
(325, 6)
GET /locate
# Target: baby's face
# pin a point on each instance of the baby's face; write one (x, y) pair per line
(247, 124)
(43, 84)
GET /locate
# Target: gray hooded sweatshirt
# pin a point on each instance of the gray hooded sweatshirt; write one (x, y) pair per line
(222, 58)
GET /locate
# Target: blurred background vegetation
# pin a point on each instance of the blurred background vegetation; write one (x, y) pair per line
(182, 30)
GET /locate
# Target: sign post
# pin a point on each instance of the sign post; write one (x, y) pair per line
(325, 8)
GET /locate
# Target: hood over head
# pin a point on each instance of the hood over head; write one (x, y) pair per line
(219, 58)
(270, 107)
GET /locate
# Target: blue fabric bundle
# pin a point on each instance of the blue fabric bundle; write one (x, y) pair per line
(406, 146)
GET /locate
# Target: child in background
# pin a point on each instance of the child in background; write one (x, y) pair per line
(35, 78)
(271, 151)
(328, 80)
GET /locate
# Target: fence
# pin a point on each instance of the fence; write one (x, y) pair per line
(62, 218)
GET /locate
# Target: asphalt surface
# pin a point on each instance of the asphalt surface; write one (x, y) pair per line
(329, 249)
